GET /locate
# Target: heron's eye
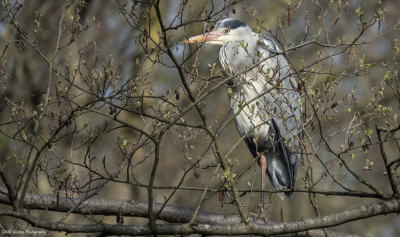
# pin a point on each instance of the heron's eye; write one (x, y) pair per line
(227, 31)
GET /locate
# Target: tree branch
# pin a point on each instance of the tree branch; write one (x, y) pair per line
(206, 222)
(221, 224)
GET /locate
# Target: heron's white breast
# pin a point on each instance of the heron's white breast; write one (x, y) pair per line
(251, 120)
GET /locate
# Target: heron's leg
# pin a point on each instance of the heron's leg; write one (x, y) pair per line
(263, 163)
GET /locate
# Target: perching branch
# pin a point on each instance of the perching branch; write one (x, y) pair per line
(206, 222)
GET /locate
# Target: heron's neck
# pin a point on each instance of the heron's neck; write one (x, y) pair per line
(249, 42)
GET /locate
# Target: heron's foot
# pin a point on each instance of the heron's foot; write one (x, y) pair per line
(259, 216)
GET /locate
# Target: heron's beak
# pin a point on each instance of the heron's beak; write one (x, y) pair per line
(207, 37)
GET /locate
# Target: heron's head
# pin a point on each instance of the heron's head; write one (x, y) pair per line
(226, 30)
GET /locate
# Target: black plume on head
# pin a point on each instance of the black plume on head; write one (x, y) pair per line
(229, 23)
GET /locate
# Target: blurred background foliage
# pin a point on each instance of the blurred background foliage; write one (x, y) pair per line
(109, 67)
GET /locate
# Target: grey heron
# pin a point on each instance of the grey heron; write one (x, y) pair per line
(264, 97)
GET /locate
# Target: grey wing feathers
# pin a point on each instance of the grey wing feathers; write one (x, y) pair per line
(284, 102)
